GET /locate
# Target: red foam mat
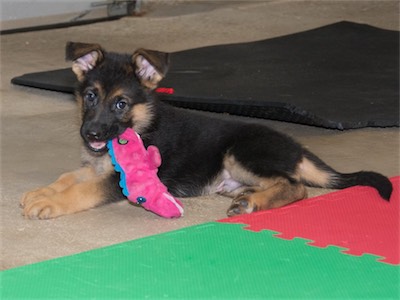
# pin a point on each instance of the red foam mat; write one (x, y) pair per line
(355, 218)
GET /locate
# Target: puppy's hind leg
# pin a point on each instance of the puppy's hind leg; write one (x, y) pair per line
(266, 196)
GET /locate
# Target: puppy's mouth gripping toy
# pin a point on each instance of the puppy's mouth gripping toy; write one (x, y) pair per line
(97, 146)
(138, 169)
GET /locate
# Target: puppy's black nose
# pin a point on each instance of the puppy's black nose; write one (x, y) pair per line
(93, 136)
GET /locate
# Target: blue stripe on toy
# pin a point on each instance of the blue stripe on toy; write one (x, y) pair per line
(118, 168)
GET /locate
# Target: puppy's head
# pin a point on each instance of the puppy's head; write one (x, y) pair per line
(114, 90)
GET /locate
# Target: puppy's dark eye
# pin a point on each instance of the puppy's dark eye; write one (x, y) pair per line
(90, 97)
(121, 104)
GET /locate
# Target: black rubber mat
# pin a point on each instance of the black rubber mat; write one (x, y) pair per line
(341, 76)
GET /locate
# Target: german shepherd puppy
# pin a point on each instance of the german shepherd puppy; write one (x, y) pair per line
(256, 166)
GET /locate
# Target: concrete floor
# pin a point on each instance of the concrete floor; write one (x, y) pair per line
(39, 129)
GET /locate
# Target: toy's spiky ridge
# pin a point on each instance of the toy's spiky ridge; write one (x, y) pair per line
(117, 168)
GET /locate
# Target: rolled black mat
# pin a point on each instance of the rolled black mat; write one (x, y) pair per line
(344, 75)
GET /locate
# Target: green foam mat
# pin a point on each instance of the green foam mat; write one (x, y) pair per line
(211, 260)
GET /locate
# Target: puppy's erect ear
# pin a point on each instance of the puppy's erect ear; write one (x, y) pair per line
(151, 66)
(84, 57)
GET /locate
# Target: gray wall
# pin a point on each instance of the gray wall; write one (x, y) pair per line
(22, 9)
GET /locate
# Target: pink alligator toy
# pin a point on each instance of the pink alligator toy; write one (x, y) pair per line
(138, 169)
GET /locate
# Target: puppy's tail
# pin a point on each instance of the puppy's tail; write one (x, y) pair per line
(315, 173)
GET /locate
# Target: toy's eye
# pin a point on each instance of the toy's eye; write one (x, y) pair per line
(122, 141)
(121, 104)
(90, 97)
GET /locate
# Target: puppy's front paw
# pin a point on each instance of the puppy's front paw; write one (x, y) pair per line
(43, 208)
(31, 196)
(39, 204)
(242, 204)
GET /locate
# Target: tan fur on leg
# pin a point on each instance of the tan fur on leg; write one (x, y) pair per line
(72, 192)
(281, 193)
